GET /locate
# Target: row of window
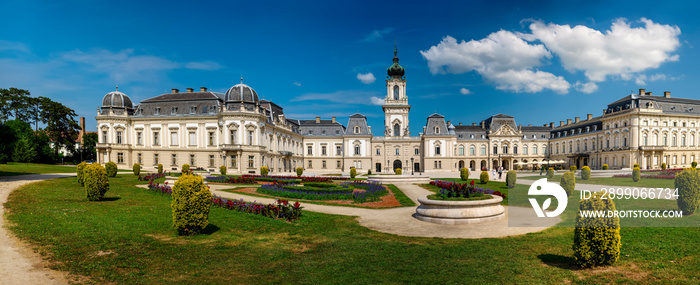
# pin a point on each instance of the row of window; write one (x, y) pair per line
(397, 151)
(174, 110)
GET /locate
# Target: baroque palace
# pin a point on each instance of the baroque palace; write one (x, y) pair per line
(236, 129)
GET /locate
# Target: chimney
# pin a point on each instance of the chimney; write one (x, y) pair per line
(641, 92)
(551, 124)
(190, 90)
(424, 128)
(529, 125)
(460, 123)
(649, 93)
(667, 94)
(318, 120)
(561, 123)
(202, 89)
(369, 129)
(333, 119)
(483, 125)
(175, 90)
(448, 122)
(589, 116)
(82, 130)
(473, 124)
(568, 121)
(577, 119)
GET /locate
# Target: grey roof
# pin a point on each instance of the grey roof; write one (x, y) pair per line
(496, 121)
(436, 122)
(241, 92)
(321, 129)
(360, 121)
(117, 99)
(185, 96)
(470, 132)
(180, 104)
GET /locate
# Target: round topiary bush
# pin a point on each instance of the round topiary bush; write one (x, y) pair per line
(300, 171)
(511, 175)
(464, 173)
(160, 168)
(636, 174)
(96, 182)
(568, 182)
(484, 177)
(136, 168)
(635, 165)
(688, 184)
(264, 170)
(663, 166)
(185, 168)
(550, 173)
(353, 172)
(397, 171)
(222, 170)
(605, 167)
(585, 173)
(572, 168)
(81, 173)
(190, 205)
(111, 169)
(694, 164)
(596, 239)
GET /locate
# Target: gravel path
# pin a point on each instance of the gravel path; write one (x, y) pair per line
(18, 263)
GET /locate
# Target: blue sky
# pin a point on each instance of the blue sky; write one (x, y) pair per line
(540, 61)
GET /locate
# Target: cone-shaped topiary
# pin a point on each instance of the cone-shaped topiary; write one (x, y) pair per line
(550, 173)
(96, 182)
(185, 168)
(636, 174)
(81, 173)
(663, 166)
(300, 171)
(191, 203)
(264, 170)
(111, 169)
(596, 239)
(572, 168)
(511, 175)
(136, 168)
(160, 168)
(688, 184)
(484, 177)
(353, 172)
(222, 170)
(464, 173)
(585, 173)
(605, 167)
(568, 182)
(397, 171)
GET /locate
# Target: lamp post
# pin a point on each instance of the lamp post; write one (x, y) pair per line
(412, 167)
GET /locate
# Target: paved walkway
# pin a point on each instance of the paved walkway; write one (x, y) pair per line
(18, 263)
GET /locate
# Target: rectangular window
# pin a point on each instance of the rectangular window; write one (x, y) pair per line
(119, 137)
(483, 150)
(461, 150)
(357, 150)
(416, 151)
(211, 161)
(338, 150)
(104, 136)
(192, 159)
(155, 159)
(378, 152)
(193, 109)
(193, 139)
(309, 150)
(173, 138)
(323, 150)
(251, 161)
(437, 150)
(120, 157)
(156, 138)
(156, 111)
(233, 161)
(525, 150)
(173, 158)
(173, 110)
(139, 140)
(323, 164)
(337, 164)
(495, 149)
(250, 137)
(435, 164)
(310, 164)
(397, 151)
(505, 149)
(211, 138)
(138, 158)
(233, 136)
(515, 149)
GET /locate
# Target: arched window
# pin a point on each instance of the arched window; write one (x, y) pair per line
(655, 139)
(397, 130)
(461, 150)
(525, 149)
(483, 150)
(646, 140)
(437, 129)
(396, 92)
(472, 150)
(356, 129)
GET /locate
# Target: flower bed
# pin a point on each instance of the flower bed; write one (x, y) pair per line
(281, 210)
(231, 179)
(345, 191)
(655, 173)
(162, 188)
(455, 190)
(151, 177)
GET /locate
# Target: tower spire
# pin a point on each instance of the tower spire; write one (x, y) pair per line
(395, 50)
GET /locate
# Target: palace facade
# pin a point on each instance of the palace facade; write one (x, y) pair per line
(236, 129)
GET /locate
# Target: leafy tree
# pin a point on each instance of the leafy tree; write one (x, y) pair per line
(61, 127)
(16, 103)
(89, 143)
(7, 136)
(25, 149)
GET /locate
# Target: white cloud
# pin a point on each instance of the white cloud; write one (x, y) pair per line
(13, 46)
(587, 88)
(204, 65)
(464, 91)
(343, 97)
(377, 34)
(503, 57)
(376, 101)
(297, 83)
(366, 78)
(657, 76)
(617, 52)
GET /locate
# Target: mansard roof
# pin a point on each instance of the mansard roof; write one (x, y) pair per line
(185, 96)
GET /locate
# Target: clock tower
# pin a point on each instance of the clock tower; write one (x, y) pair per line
(396, 102)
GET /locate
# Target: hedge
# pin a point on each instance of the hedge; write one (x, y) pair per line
(585, 173)
(222, 170)
(397, 171)
(605, 167)
(511, 176)
(136, 168)
(190, 205)
(353, 172)
(596, 240)
(568, 182)
(484, 177)
(185, 168)
(264, 170)
(636, 174)
(81, 173)
(96, 182)
(464, 173)
(111, 169)
(160, 168)
(550, 173)
(688, 184)
(300, 171)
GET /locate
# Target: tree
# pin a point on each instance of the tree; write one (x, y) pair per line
(25, 149)
(89, 143)
(61, 127)
(15, 103)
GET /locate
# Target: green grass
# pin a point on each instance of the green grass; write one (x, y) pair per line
(617, 181)
(16, 168)
(400, 196)
(128, 239)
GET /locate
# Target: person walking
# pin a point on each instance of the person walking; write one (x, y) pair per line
(493, 173)
(500, 172)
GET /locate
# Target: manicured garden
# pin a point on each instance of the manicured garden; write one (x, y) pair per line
(17, 168)
(128, 238)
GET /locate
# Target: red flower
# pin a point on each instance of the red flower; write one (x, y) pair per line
(296, 205)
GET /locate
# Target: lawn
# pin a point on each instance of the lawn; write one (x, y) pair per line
(616, 181)
(16, 168)
(128, 239)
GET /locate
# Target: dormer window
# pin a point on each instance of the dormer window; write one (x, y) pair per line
(437, 130)
(356, 129)
(173, 110)
(311, 132)
(156, 111)
(337, 132)
(193, 109)
(323, 132)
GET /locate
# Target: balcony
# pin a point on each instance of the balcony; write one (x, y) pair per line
(286, 153)
(241, 147)
(653, 148)
(112, 145)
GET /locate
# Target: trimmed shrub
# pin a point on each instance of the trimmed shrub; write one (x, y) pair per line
(96, 182)
(605, 167)
(191, 203)
(397, 171)
(160, 168)
(136, 168)
(464, 174)
(264, 170)
(550, 173)
(300, 171)
(222, 170)
(111, 169)
(585, 173)
(694, 164)
(663, 166)
(185, 168)
(568, 182)
(688, 184)
(635, 165)
(81, 173)
(511, 175)
(369, 172)
(484, 177)
(596, 240)
(353, 172)
(636, 174)
(572, 168)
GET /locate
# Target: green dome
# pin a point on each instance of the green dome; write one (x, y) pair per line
(396, 70)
